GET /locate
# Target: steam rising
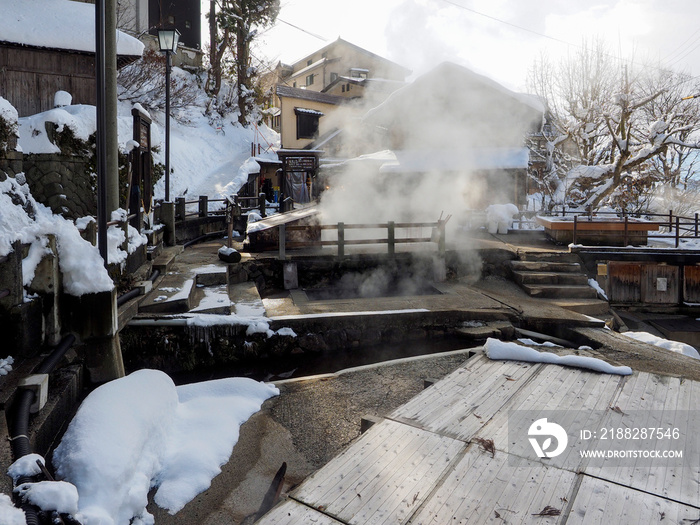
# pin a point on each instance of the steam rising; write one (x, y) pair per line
(438, 146)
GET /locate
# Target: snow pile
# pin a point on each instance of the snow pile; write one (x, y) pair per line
(6, 365)
(497, 350)
(674, 346)
(23, 219)
(50, 495)
(142, 431)
(500, 217)
(594, 284)
(116, 237)
(80, 119)
(9, 514)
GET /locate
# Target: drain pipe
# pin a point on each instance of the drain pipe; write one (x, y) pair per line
(204, 237)
(19, 429)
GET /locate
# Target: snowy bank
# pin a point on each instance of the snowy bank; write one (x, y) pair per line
(674, 346)
(142, 431)
(497, 350)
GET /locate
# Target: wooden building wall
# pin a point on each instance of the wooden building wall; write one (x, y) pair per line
(30, 77)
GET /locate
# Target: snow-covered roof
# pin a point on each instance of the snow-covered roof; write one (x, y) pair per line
(57, 24)
(409, 161)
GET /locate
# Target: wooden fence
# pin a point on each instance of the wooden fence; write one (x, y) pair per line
(437, 236)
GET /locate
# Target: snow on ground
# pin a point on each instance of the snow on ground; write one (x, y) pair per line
(674, 346)
(142, 431)
(9, 514)
(497, 350)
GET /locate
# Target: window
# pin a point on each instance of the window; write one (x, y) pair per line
(310, 80)
(309, 62)
(307, 122)
(356, 72)
(294, 85)
(334, 77)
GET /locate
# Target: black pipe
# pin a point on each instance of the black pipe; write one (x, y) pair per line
(19, 427)
(131, 294)
(128, 296)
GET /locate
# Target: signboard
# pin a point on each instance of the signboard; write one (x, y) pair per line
(307, 163)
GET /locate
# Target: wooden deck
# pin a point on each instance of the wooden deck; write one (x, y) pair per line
(430, 461)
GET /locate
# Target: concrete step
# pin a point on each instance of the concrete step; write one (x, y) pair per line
(246, 299)
(535, 256)
(173, 296)
(212, 299)
(163, 261)
(560, 291)
(545, 266)
(591, 307)
(521, 278)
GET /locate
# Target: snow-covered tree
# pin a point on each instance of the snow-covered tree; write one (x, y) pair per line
(616, 132)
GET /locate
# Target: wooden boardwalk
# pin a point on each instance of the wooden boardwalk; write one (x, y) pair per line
(458, 453)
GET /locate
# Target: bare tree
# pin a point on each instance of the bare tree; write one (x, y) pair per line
(615, 127)
(233, 24)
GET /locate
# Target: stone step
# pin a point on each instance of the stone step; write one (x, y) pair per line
(560, 291)
(173, 296)
(213, 299)
(521, 278)
(545, 266)
(246, 299)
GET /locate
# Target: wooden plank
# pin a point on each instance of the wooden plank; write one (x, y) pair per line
(294, 513)
(465, 400)
(652, 401)
(573, 397)
(389, 473)
(481, 487)
(600, 501)
(344, 470)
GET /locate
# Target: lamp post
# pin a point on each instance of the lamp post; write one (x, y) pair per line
(167, 41)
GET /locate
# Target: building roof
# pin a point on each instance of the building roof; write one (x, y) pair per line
(57, 24)
(356, 48)
(307, 94)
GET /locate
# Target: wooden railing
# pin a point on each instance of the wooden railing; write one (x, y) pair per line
(669, 225)
(391, 240)
(253, 203)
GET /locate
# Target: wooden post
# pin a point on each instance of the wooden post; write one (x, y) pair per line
(626, 229)
(282, 241)
(670, 220)
(262, 201)
(441, 238)
(678, 231)
(180, 208)
(573, 239)
(341, 240)
(696, 225)
(203, 205)
(391, 238)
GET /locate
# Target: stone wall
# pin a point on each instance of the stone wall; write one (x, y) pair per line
(64, 183)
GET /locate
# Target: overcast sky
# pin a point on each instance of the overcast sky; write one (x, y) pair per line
(497, 38)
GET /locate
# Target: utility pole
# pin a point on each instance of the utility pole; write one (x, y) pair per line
(112, 140)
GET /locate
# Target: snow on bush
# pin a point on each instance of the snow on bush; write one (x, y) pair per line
(25, 220)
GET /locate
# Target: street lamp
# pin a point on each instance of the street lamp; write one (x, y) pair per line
(167, 41)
